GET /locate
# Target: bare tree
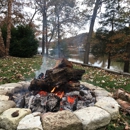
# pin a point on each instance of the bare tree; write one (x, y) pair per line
(2, 46)
(11, 14)
(56, 14)
(8, 27)
(87, 46)
(42, 6)
(64, 13)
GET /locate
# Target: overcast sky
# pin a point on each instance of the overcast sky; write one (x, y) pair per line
(79, 31)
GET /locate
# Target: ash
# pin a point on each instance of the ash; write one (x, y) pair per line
(50, 102)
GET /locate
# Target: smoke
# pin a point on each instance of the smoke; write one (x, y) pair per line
(47, 63)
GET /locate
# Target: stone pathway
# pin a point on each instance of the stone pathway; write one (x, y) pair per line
(89, 118)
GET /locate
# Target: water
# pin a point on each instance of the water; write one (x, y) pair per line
(98, 62)
(78, 56)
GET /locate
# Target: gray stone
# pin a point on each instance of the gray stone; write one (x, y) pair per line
(90, 86)
(30, 122)
(100, 93)
(11, 87)
(110, 105)
(93, 117)
(62, 120)
(4, 105)
(25, 84)
(9, 122)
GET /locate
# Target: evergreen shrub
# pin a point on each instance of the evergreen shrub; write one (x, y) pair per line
(23, 42)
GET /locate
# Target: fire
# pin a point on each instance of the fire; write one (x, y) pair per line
(60, 94)
(71, 99)
(43, 93)
(53, 90)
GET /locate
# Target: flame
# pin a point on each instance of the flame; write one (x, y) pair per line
(43, 93)
(60, 94)
(53, 90)
(71, 99)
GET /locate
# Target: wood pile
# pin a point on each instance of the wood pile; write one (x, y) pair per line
(60, 77)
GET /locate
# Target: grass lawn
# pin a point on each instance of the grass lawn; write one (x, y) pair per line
(14, 69)
(104, 79)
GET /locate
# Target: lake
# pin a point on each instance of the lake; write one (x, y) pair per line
(99, 62)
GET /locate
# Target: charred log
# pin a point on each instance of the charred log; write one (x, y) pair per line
(56, 78)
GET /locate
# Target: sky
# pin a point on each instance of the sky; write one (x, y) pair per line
(79, 31)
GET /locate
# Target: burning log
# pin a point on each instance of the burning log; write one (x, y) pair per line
(57, 77)
(43, 101)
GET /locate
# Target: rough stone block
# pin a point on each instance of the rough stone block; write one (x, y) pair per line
(30, 122)
(4, 105)
(110, 105)
(10, 118)
(93, 117)
(62, 120)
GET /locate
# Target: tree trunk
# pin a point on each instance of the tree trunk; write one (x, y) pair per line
(127, 62)
(43, 38)
(126, 66)
(58, 30)
(112, 32)
(47, 45)
(8, 27)
(87, 46)
(58, 36)
(44, 28)
(109, 60)
(2, 46)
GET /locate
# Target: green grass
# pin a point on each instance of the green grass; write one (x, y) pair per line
(107, 80)
(14, 69)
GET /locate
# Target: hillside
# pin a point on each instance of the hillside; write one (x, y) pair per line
(78, 40)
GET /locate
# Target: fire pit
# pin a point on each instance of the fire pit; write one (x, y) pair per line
(55, 100)
(58, 89)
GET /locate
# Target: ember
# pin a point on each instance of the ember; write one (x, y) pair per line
(58, 89)
(43, 93)
(59, 94)
(71, 100)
